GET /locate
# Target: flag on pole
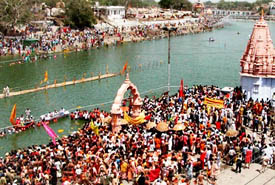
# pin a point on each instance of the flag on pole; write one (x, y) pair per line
(46, 76)
(50, 132)
(124, 67)
(13, 115)
(181, 89)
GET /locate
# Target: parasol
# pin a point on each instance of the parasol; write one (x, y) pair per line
(179, 127)
(162, 127)
(151, 125)
(232, 133)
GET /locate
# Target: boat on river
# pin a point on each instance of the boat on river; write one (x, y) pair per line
(47, 118)
(211, 39)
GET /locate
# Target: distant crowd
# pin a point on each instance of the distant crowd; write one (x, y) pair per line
(32, 43)
(238, 134)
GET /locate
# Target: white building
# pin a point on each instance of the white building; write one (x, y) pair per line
(110, 12)
(272, 8)
(219, 12)
(258, 65)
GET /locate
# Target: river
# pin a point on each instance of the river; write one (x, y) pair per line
(193, 59)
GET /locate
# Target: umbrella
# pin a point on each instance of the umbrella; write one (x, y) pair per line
(162, 127)
(151, 125)
(232, 133)
(179, 127)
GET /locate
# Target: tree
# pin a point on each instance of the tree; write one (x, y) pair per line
(176, 4)
(79, 14)
(14, 13)
(50, 3)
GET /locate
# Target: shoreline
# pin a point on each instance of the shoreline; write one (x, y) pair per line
(143, 32)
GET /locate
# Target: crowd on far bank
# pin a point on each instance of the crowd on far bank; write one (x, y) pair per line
(33, 43)
(195, 154)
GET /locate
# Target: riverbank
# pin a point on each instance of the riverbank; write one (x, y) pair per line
(64, 41)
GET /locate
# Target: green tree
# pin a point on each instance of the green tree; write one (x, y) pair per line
(176, 4)
(79, 14)
(50, 3)
(14, 13)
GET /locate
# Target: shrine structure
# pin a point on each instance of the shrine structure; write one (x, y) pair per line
(135, 103)
(257, 63)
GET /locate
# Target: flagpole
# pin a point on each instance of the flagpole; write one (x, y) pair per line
(169, 49)
(169, 67)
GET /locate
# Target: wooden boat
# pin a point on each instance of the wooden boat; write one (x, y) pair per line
(33, 123)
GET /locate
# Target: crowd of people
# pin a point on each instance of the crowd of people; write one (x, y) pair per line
(65, 39)
(136, 155)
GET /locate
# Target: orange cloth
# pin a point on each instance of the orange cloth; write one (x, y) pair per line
(124, 167)
(13, 115)
(157, 143)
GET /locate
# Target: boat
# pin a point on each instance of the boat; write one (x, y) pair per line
(52, 116)
(49, 117)
(25, 126)
(211, 39)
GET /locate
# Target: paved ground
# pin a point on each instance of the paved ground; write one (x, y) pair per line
(247, 177)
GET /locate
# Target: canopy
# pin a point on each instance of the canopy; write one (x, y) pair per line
(29, 42)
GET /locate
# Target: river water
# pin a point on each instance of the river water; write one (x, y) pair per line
(193, 59)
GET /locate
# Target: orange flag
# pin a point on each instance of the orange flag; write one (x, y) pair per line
(13, 115)
(125, 67)
(46, 76)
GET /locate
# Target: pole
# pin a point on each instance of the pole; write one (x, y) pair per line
(168, 61)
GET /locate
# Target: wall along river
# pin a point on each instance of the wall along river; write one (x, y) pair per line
(193, 58)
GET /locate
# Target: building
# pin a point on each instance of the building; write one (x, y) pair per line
(257, 63)
(272, 8)
(110, 12)
(219, 12)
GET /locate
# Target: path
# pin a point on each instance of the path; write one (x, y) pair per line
(60, 84)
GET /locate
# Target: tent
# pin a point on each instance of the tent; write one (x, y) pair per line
(29, 42)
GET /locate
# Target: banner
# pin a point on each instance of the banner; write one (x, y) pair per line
(135, 121)
(13, 115)
(214, 103)
(50, 132)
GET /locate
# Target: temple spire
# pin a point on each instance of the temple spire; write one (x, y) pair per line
(258, 58)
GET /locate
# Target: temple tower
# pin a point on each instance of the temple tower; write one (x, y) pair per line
(257, 63)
